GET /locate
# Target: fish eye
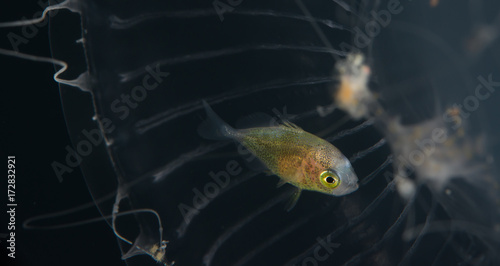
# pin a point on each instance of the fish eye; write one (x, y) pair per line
(329, 179)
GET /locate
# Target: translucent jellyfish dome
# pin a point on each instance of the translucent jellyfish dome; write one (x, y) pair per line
(407, 90)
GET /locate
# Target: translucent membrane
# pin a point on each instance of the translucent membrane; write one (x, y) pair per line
(381, 81)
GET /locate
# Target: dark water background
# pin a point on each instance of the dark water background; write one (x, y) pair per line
(239, 56)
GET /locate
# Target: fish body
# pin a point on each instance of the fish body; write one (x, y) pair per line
(296, 156)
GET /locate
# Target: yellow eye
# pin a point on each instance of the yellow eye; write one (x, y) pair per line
(329, 179)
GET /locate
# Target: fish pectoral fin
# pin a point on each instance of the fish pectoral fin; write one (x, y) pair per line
(281, 183)
(293, 200)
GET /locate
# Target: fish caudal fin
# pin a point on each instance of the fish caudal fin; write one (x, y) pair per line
(214, 127)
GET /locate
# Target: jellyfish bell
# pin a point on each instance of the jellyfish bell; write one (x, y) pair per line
(88, 129)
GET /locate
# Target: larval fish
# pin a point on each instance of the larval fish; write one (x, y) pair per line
(296, 156)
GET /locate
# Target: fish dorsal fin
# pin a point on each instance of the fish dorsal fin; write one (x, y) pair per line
(288, 124)
(293, 199)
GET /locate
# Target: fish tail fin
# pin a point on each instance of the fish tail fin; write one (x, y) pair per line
(214, 127)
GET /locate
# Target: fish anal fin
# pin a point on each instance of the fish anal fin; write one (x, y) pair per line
(281, 183)
(268, 172)
(293, 200)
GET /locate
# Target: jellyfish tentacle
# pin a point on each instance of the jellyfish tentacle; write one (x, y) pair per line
(388, 161)
(363, 153)
(144, 125)
(389, 233)
(80, 82)
(140, 71)
(125, 23)
(209, 255)
(18, 23)
(182, 228)
(389, 188)
(411, 251)
(250, 255)
(351, 131)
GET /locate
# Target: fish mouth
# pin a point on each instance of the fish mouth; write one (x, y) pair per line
(352, 184)
(351, 188)
(347, 189)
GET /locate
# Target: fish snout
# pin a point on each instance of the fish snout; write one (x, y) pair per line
(349, 184)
